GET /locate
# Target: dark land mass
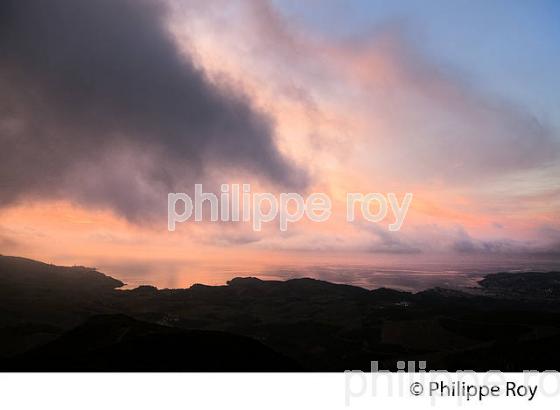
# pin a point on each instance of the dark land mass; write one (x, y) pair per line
(77, 319)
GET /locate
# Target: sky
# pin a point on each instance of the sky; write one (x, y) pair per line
(108, 106)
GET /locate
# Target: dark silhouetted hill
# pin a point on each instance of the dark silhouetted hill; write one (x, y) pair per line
(77, 318)
(120, 343)
(37, 276)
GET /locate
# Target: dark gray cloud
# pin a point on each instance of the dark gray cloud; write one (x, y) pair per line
(547, 245)
(98, 105)
(389, 242)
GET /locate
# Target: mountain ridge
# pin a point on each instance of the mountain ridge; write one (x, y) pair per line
(312, 324)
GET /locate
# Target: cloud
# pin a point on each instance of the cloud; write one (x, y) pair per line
(100, 106)
(7, 244)
(406, 113)
(546, 245)
(428, 121)
(389, 242)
